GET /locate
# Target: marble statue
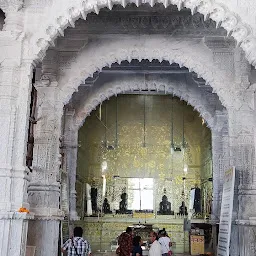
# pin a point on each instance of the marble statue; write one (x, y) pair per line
(165, 207)
(123, 203)
(183, 209)
(94, 195)
(106, 206)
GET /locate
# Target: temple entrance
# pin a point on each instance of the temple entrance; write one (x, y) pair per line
(64, 60)
(154, 151)
(164, 164)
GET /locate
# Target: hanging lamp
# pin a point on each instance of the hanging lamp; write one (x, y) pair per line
(116, 139)
(172, 127)
(105, 125)
(144, 124)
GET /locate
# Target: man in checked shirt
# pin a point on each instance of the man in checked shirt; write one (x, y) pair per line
(77, 246)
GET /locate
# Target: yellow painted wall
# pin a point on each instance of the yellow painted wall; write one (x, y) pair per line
(131, 159)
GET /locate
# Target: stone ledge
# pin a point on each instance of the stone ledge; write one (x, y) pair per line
(250, 222)
(16, 216)
(42, 217)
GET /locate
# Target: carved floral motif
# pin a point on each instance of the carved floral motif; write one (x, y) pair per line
(190, 54)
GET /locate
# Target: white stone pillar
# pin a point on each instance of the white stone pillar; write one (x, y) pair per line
(15, 87)
(220, 159)
(241, 123)
(14, 175)
(70, 145)
(44, 188)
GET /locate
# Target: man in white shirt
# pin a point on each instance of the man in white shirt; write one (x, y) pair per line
(155, 248)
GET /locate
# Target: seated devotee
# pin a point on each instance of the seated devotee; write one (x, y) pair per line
(165, 207)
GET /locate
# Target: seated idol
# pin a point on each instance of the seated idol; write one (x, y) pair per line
(183, 209)
(106, 206)
(165, 207)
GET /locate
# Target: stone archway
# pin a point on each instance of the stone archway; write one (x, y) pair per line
(64, 15)
(196, 57)
(192, 95)
(97, 55)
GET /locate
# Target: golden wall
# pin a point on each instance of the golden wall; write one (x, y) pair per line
(133, 134)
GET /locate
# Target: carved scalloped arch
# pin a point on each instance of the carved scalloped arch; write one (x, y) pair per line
(65, 14)
(192, 95)
(193, 55)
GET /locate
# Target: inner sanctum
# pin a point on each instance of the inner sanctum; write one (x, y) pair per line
(144, 156)
(153, 150)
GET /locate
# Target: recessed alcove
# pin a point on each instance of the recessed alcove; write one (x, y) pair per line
(154, 145)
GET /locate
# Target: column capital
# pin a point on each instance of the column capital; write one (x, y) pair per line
(14, 15)
(49, 95)
(220, 122)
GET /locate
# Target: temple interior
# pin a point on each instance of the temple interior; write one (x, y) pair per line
(153, 150)
(126, 113)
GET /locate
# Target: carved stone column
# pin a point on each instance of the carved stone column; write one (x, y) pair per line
(241, 123)
(220, 159)
(14, 175)
(70, 145)
(44, 188)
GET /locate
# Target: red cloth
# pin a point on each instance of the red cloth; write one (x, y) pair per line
(125, 244)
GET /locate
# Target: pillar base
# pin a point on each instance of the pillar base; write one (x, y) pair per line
(74, 217)
(247, 240)
(13, 236)
(44, 235)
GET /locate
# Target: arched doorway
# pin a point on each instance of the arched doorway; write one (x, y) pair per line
(93, 55)
(94, 91)
(149, 138)
(30, 41)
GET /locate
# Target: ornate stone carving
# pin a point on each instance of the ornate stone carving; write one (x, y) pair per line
(70, 149)
(243, 158)
(185, 53)
(136, 21)
(44, 188)
(220, 158)
(166, 85)
(71, 11)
